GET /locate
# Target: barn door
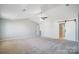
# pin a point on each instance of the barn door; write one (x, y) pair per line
(70, 28)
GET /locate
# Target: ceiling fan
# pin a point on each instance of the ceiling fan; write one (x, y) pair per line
(43, 17)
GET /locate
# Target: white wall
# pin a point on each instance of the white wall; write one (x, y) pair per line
(78, 27)
(19, 29)
(0, 28)
(50, 27)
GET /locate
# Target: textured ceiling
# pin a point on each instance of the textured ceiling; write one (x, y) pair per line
(17, 11)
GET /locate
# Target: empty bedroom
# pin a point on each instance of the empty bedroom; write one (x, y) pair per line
(39, 29)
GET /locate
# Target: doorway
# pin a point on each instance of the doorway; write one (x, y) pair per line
(61, 31)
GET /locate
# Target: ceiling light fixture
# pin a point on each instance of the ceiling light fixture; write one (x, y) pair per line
(67, 4)
(43, 17)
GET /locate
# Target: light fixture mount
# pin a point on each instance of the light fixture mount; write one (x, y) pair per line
(67, 4)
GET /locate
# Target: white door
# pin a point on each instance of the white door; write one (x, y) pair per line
(70, 30)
